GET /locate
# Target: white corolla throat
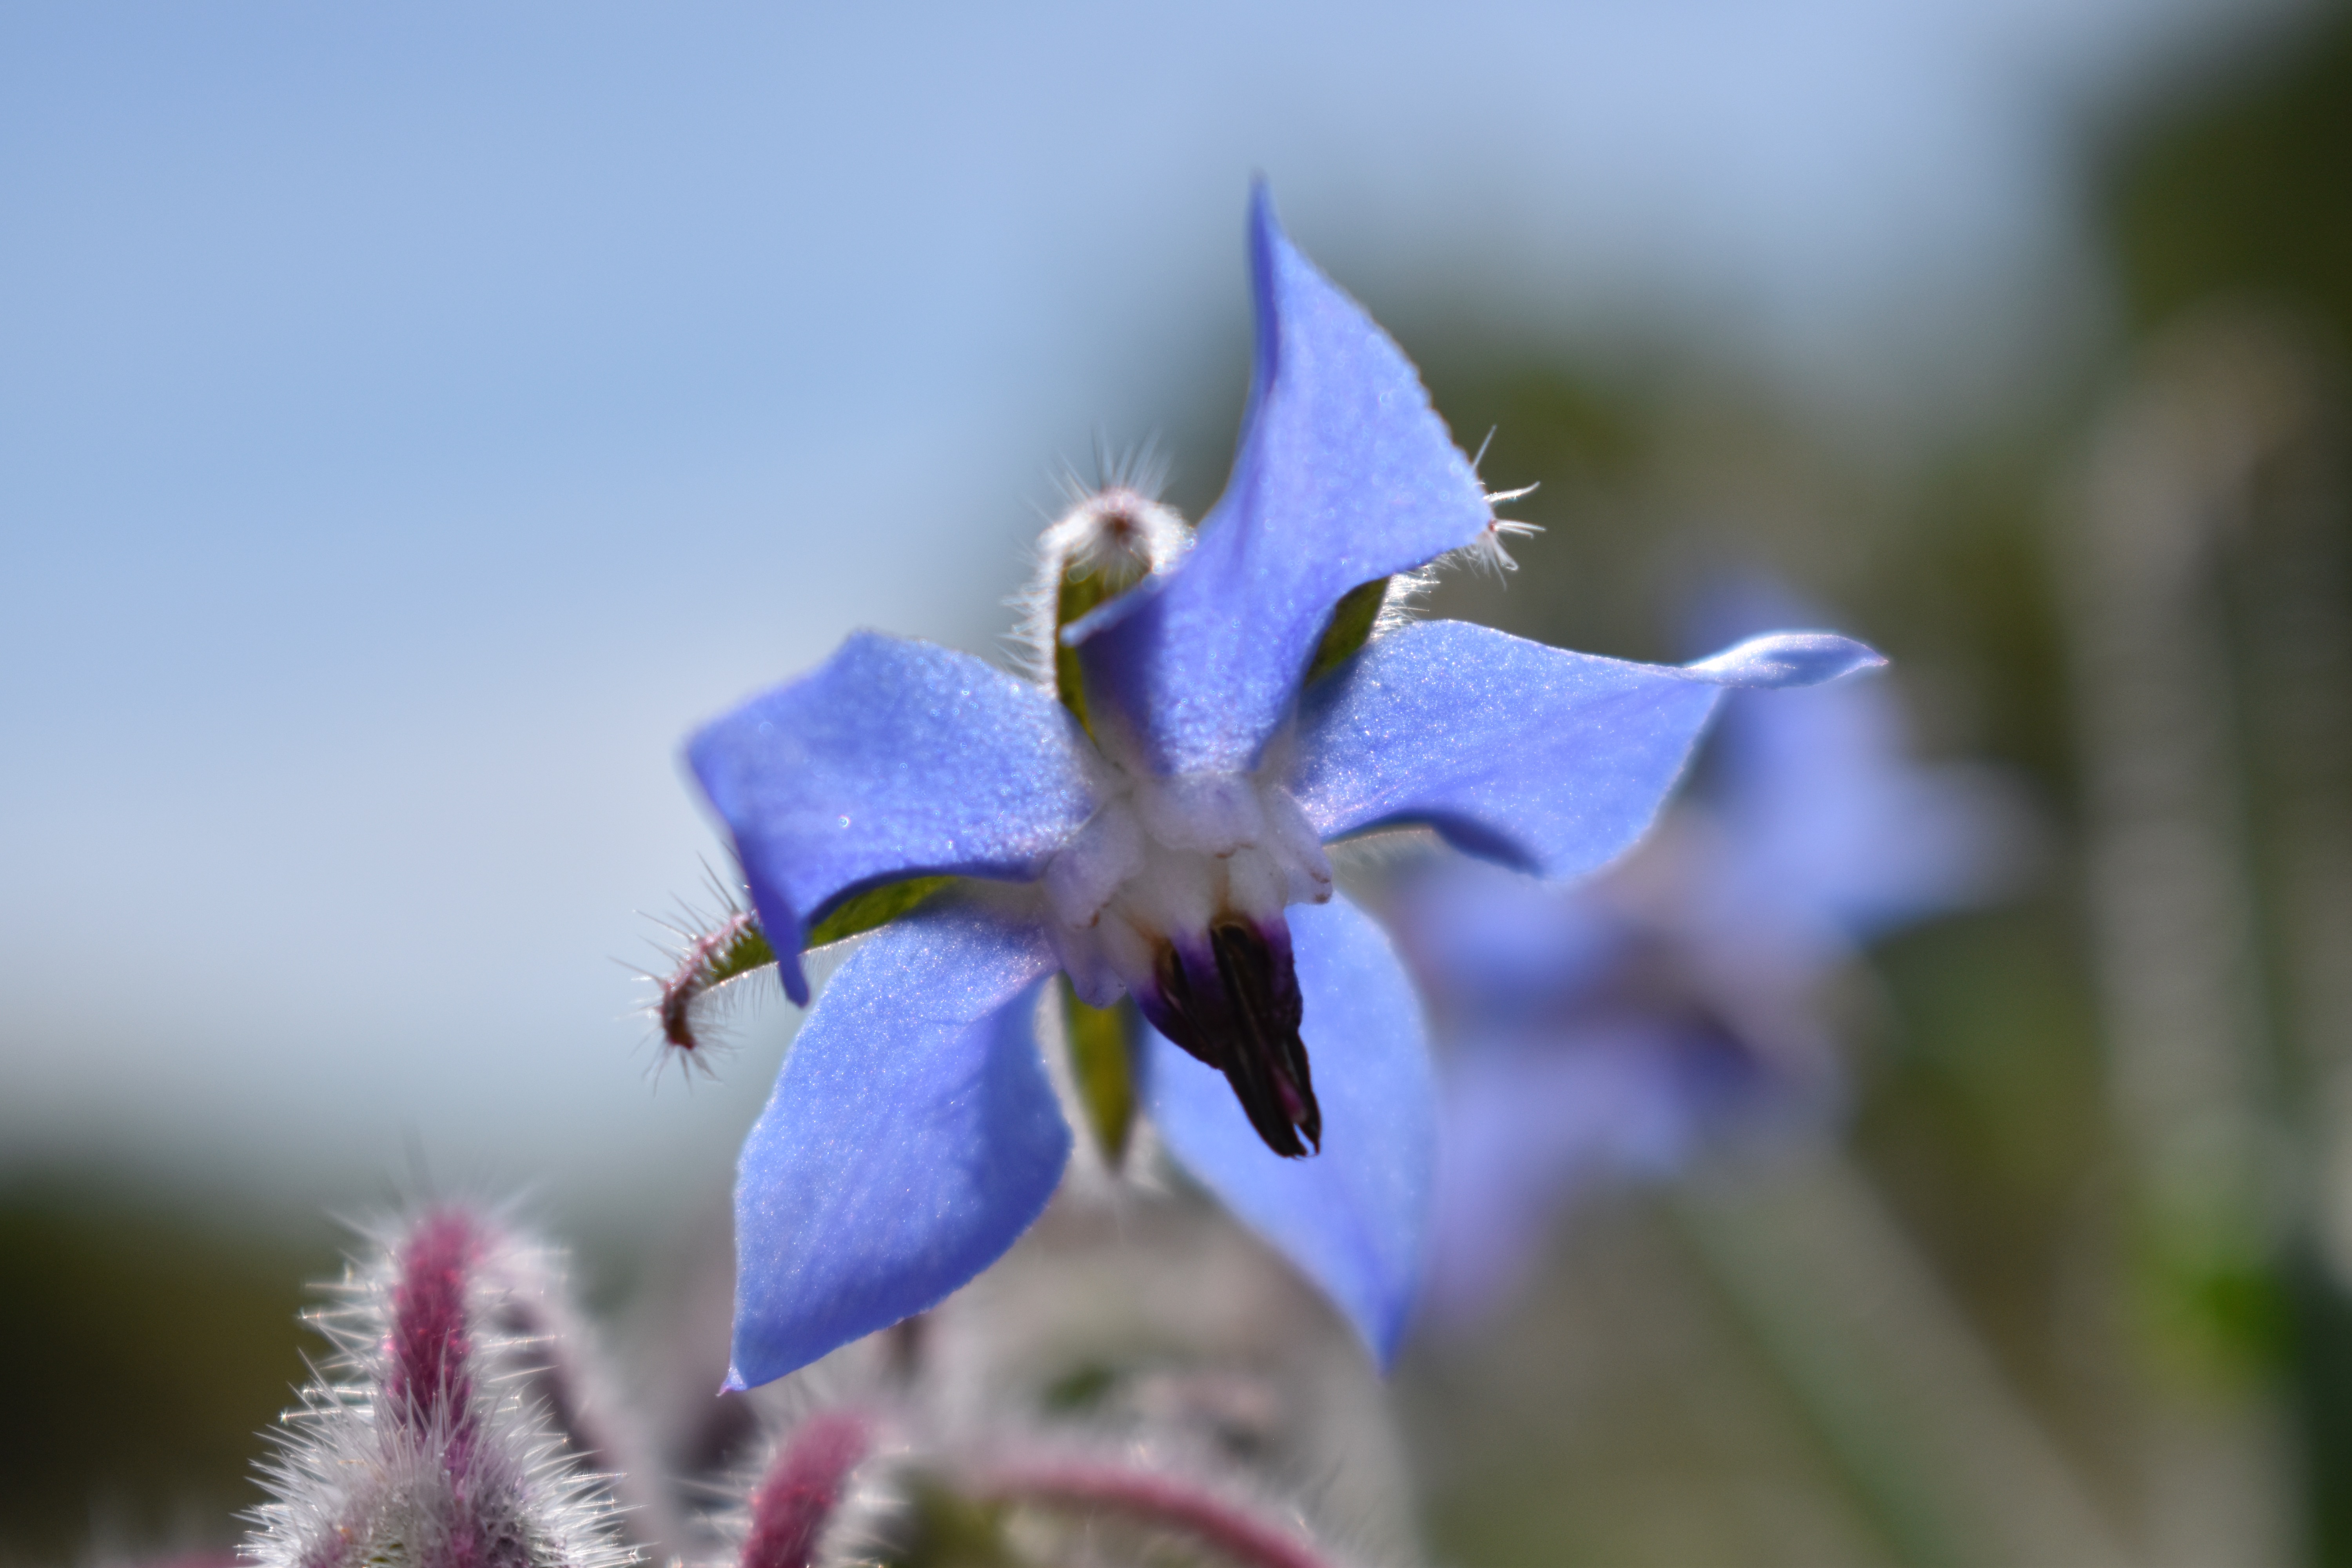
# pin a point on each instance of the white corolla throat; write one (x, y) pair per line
(1173, 893)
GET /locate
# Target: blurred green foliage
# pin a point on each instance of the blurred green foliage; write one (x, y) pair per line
(2241, 194)
(1978, 1083)
(2240, 185)
(1981, 1107)
(148, 1348)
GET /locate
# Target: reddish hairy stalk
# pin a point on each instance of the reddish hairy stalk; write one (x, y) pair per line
(1154, 1498)
(418, 1442)
(797, 1497)
(428, 1383)
(557, 1370)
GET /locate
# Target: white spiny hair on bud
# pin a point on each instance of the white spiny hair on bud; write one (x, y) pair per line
(1141, 469)
(859, 1458)
(1115, 524)
(1132, 1500)
(1401, 604)
(415, 1442)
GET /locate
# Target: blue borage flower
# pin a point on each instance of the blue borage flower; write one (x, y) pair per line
(1608, 1030)
(1169, 849)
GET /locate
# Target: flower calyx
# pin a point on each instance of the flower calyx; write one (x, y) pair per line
(1110, 540)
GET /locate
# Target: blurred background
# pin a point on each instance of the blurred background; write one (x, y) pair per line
(412, 422)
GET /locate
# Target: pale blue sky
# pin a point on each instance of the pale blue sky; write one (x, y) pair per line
(414, 418)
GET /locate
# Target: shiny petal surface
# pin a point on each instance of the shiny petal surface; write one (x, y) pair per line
(1354, 1218)
(892, 759)
(1344, 475)
(1543, 759)
(912, 1137)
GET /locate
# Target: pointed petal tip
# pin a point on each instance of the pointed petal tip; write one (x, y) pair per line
(893, 759)
(1787, 658)
(790, 971)
(1343, 475)
(734, 1383)
(1382, 1326)
(1384, 1341)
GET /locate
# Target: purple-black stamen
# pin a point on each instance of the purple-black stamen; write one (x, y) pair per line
(1234, 1003)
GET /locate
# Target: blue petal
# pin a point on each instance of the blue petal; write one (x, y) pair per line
(1540, 758)
(1344, 475)
(892, 759)
(912, 1137)
(1353, 1217)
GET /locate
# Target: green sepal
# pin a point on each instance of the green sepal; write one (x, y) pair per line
(1080, 591)
(1101, 1068)
(1350, 627)
(746, 950)
(862, 912)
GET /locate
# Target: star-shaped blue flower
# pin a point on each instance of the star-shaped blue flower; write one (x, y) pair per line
(1170, 849)
(1608, 1030)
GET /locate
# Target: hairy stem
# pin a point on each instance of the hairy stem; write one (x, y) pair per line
(1153, 1498)
(797, 1497)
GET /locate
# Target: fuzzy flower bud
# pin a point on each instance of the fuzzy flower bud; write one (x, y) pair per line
(1110, 540)
(414, 1445)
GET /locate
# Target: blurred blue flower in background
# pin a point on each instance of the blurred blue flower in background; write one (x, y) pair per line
(1158, 834)
(1609, 1030)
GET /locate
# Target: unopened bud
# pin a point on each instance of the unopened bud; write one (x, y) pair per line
(1111, 540)
(413, 1445)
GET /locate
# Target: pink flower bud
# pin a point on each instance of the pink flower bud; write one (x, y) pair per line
(415, 1443)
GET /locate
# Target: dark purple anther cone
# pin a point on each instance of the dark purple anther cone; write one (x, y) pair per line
(1231, 998)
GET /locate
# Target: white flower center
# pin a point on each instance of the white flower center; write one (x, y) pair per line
(1161, 860)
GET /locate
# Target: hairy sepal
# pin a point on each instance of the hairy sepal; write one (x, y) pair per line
(722, 951)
